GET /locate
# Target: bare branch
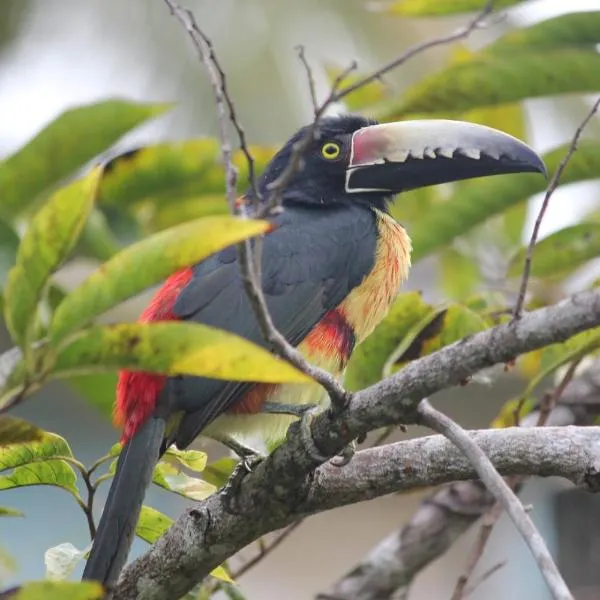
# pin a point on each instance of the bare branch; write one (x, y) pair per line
(442, 517)
(549, 191)
(285, 486)
(207, 534)
(437, 421)
(310, 78)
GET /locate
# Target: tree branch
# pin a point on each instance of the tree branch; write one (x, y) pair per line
(437, 421)
(285, 486)
(206, 534)
(442, 517)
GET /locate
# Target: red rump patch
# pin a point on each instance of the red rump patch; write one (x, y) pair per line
(137, 391)
(332, 336)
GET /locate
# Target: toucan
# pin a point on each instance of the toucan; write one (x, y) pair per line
(331, 267)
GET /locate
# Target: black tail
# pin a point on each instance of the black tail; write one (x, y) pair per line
(124, 503)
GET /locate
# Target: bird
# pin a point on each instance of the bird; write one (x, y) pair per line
(331, 266)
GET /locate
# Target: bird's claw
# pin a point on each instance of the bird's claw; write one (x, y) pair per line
(231, 489)
(345, 456)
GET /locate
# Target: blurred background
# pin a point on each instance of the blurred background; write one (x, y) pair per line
(59, 54)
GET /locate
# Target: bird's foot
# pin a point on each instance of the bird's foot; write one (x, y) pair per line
(345, 456)
(231, 489)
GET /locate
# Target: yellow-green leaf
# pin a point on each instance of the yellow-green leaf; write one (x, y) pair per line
(146, 263)
(97, 239)
(59, 590)
(192, 459)
(446, 327)
(561, 252)
(459, 274)
(181, 210)
(478, 200)
(51, 234)
(366, 365)
(152, 524)
(221, 574)
(173, 348)
(170, 478)
(9, 242)
(164, 173)
(497, 78)
(67, 143)
(438, 8)
(576, 29)
(5, 511)
(17, 431)
(38, 463)
(219, 471)
(98, 389)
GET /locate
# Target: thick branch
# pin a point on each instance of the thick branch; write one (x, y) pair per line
(442, 517)
(271, 496)
(205, 536)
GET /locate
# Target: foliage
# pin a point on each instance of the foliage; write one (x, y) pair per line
(152, 211)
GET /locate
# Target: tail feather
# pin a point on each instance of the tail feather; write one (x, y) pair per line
(122, 510)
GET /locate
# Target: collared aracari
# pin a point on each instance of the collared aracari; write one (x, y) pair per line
(331, 267)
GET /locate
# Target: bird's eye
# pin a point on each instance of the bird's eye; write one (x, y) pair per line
(330, 150)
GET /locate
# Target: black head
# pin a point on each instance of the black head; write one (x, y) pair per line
(353, 159)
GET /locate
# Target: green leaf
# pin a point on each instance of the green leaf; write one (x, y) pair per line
(576, 29)
(367, 362)
(97, 239)
(163, 173)
(17, 431)
(38, 463)
(221, 574)
(51, 234)
(219, 471)
(59, 590)
(491, 79)
(67, 143)
(437, 8)
(152, 524)
(181, 210)
(478, 200)
(459, 274)
(365, 96)
(446, 326)
(174, 480)
(9, 242)
(173, 348)
(98, 389)
(561, 252)
(192, 459)
(10, 512)
(146, 263)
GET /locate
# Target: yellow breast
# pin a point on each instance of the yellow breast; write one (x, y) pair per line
(369, 303)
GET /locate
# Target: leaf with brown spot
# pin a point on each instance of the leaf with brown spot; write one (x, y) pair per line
(146, 263)
(49, 238)
(172, 348)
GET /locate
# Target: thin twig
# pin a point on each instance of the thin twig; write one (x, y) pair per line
(485, 577)
(310, 78)
(218, 80)
(549, 192)
(502, 492)
(266, 549)
(491, 517)
(248, 269)
(277, 187)
(460, 34)
(550, 400)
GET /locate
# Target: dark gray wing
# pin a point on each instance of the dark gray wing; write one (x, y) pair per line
(310, 263)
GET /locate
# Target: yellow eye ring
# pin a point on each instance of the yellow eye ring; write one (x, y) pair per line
(330, 150)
